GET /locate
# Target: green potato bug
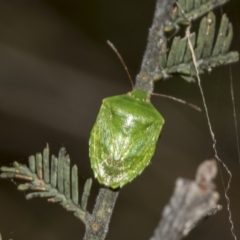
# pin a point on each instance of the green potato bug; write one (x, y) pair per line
(123, 138)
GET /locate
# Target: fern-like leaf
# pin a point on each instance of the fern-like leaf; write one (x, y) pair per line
(186, 11)
(55, 181)
(208, 55)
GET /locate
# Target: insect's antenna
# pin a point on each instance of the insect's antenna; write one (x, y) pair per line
(122, 61)
(179, 100)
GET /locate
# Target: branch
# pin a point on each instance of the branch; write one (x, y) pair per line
(58, 184)
(185, 12)
(156, 38)
(192, 201)
(160, 63)
(209, 53)
(97, 223)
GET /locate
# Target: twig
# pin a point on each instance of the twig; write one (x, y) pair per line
(207, 215)
(54, 182)
(156, 38)
(97, 223)
(189, 205)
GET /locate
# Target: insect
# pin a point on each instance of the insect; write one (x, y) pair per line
(124, 138)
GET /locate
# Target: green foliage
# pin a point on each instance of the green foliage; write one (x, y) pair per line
(57, 181)
(189, 10)
(209, 53)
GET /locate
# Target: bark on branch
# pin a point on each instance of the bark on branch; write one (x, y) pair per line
(191, 202)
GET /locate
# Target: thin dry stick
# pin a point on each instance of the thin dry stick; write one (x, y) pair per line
(212, 133)
(234, 112)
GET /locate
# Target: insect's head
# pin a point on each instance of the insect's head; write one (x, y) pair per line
(139, 95)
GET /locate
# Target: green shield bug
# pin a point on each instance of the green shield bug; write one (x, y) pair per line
(124, 136)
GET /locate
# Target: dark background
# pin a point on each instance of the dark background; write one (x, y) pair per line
(55, 69)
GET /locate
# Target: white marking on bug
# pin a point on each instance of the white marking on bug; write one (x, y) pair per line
(129, 120)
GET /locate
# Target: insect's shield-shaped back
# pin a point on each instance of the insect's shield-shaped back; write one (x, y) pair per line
(124, 138)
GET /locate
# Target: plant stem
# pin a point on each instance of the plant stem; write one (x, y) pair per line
(156, 38)
(97, 222)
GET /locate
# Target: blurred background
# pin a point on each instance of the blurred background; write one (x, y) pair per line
(55, 69)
